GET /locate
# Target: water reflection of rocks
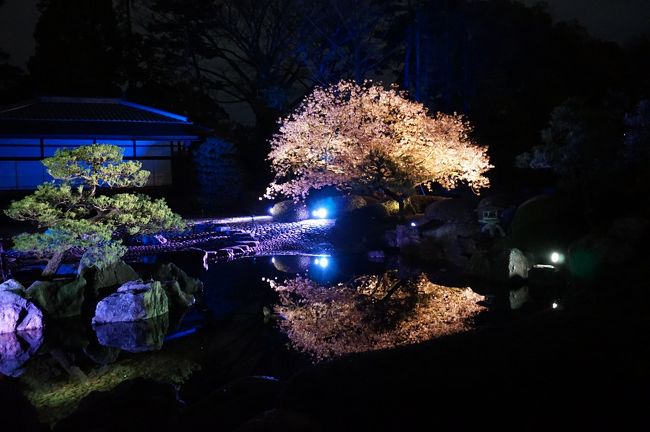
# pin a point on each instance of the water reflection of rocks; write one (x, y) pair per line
(370, 313)
(16, 349)
(137, 336)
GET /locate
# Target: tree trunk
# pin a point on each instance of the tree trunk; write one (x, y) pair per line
(54, 263)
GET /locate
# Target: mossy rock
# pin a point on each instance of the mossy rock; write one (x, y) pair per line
(176, 295)
(59, 299)
(171, 272)
(102, 280)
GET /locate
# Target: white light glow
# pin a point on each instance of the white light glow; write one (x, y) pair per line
(554, 305)
(270, 210)
(320, 213)
(555, 257)
(413, 224)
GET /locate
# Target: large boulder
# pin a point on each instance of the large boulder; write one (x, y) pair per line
(99, 280)
(137, 336)
(133, 301)
(12, 285)
(337, 205)
(171, 272)
(180, 288)
(59, 299)
(362, 229)
(176, 296)
(289, 211)
(451, 210)
(18, 314)
(544, 224)
(499, 264)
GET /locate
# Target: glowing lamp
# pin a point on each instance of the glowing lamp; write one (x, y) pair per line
(322, 262)
(556, 258)
(319, 213)
(413, 224)
(554, 305)
(270, 210)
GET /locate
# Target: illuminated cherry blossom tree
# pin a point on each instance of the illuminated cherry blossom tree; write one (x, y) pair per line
(368, 139)
(370, 313)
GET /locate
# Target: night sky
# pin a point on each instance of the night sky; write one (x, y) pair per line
(615, 20)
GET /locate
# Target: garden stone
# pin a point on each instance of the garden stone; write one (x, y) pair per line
(18, 314)
(289, 211)
(16, 349)
(171, 272)
(176, 295)
(12, 285)
(110, 276)
(133, 301)
(59, 300)
(138, 336)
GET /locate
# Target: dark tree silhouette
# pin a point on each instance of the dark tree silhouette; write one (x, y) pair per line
(78, 49)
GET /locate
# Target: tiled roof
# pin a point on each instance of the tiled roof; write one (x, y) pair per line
(70, 117)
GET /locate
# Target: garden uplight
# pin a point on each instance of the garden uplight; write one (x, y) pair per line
(320, 213)
(271, 210)
(556, 258)
(323, 262)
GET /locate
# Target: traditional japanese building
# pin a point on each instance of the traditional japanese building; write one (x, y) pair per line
(33, 130)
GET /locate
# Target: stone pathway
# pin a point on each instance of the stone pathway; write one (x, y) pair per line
(264, 237)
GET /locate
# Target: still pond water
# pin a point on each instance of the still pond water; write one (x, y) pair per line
(226, 335)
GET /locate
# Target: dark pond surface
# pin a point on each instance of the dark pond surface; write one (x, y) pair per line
(226, 335)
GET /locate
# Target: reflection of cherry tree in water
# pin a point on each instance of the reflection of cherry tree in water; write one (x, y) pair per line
(370, 313)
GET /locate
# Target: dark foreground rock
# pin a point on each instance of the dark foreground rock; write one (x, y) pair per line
(233, 404)
(136, 405)
(18, 414)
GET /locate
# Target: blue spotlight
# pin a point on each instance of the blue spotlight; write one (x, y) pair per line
(320, 213)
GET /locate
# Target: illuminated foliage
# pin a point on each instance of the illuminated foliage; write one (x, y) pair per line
(72, 215)
(370, 139)
(370, 313)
